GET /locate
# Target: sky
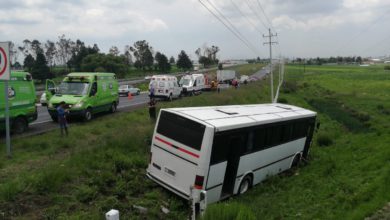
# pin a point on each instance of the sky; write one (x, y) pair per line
(305, 28)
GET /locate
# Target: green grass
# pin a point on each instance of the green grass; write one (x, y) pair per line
(349, 179)
(101, 165)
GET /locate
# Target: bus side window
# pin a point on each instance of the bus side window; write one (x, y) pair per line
(249, 142)
(286, 132)
(276, 135)
(260, 140)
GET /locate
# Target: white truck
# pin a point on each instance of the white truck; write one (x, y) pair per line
(226, 75)
(192, 84)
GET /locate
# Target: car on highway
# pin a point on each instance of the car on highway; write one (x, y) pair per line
(128, 89)
(84, 94)
(43, 99)
(21, 101)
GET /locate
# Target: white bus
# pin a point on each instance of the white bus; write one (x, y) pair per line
(224, 150)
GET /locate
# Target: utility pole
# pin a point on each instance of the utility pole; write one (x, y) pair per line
(270, 42)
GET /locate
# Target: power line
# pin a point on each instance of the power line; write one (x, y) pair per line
(231, 24)
(246, 17)
(265, 15)
(256, 14)
(229, 28)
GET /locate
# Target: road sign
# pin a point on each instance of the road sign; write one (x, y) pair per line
(5, 69)
(5, 72)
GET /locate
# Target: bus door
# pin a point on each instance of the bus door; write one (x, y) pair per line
(310, 131)
(233, 159)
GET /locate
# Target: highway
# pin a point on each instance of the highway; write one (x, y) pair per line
(44, 122)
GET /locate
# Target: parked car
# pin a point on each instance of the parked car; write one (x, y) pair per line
(43, 99)
(128, 89)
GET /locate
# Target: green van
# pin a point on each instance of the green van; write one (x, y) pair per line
(21, 96)
(84, 94)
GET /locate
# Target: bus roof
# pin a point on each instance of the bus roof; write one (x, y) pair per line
(236, 116)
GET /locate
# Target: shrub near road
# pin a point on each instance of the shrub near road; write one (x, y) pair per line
(102, 164)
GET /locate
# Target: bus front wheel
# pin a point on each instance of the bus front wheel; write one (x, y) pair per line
(246, 183)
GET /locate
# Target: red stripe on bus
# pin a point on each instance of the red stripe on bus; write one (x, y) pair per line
(165, 142)
(180, 149)
(188, 152)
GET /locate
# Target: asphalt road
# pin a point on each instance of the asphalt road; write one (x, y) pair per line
(44, 122)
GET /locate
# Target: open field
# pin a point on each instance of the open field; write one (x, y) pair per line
(101, 165)
(348, 179)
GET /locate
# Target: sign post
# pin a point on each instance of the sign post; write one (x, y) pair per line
(5, 72)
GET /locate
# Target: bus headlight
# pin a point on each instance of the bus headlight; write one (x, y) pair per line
(79, 105)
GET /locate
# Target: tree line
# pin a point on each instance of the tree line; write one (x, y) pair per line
(330, 60)
(42, 59)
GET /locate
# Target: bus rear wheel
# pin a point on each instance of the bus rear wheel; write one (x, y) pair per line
(19, 125)
(296, 161)
(246, 183)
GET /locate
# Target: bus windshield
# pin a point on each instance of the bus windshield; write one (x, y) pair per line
(73, 88)
(180, 129)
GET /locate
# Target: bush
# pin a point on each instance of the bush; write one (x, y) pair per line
(324, 140)
(387, 67)
(289, 87)
(283, 100)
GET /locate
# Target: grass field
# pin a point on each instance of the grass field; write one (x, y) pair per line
(350, 178)
(101, 165)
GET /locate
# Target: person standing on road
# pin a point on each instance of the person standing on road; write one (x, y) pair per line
(61, 114)
(152, 109)
(151, 92)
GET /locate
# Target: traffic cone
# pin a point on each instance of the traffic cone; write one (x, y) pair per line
(129, 97)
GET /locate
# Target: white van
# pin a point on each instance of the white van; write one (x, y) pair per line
(192, 84)
(165, 87)
(221, 151)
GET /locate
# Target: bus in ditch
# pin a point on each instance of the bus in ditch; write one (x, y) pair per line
(222, 151)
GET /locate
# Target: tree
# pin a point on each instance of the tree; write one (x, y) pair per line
(359, 60)
(28, 62)
(50, 53)
(143, 53)
(205, 61)
(13, 53)
(162, 62)
(79, 51)
(183, 61)
(114, 51)
(127, 54)
(64, 48)
(172, 60)
(108, 62)
(40, 69)
(220, 66)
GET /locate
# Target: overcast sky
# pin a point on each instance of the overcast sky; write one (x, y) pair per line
(306, 28)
